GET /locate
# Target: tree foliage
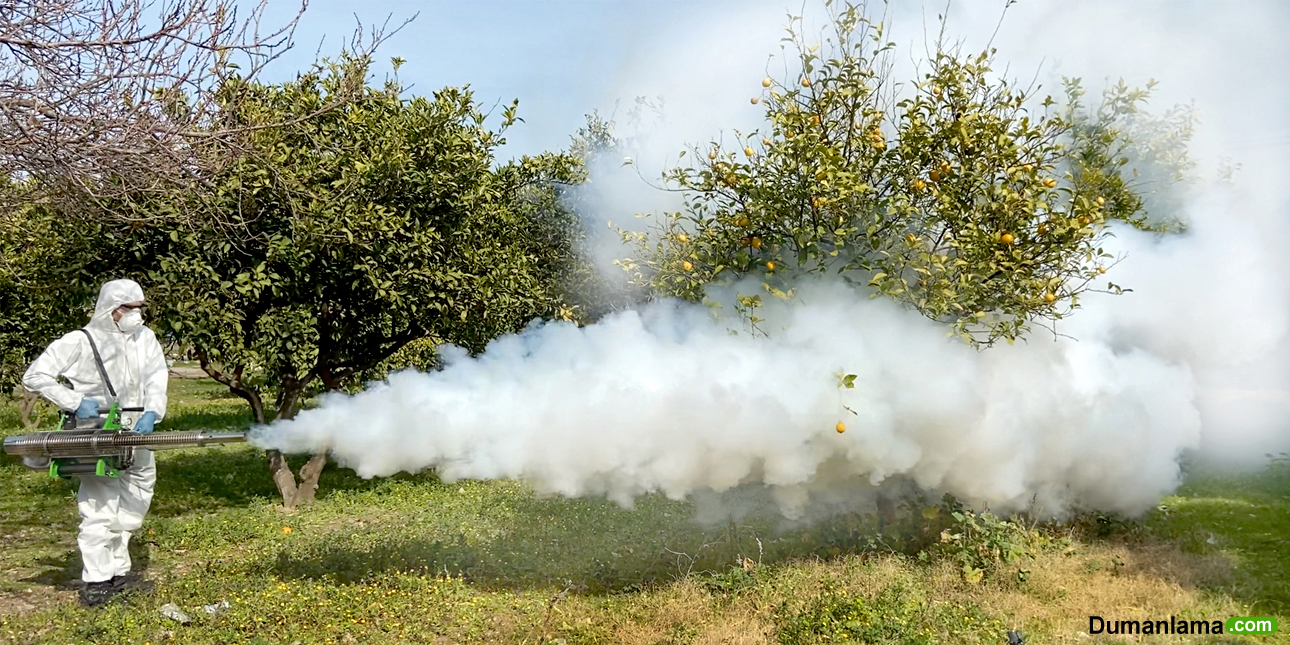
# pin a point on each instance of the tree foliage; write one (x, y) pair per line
(958, 195)
(36, 305)
(338, 239)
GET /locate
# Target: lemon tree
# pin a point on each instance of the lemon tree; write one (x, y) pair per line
(960, 194)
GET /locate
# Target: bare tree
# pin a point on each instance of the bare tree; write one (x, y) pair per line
(103, 98)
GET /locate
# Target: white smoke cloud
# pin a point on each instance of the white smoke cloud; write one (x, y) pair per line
(1216, 300)
(667, 399)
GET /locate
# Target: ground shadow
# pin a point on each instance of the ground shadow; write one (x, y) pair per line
(64, 571)
(552, 542)
(501, 564)
(215, 478)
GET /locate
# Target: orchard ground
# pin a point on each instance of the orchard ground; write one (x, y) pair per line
(413, 560)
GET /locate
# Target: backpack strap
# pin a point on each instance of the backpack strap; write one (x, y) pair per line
(98, 361)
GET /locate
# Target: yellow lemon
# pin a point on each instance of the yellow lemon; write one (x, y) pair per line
(748, 151)
(841, 427)
(770, 266)
(1007, 238)
(686, 265)
(1050, 298)
(765, 82)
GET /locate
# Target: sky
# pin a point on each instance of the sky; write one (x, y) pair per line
(702, 58)
(562, 59)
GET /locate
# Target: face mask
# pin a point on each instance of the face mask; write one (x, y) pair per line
(130, 322)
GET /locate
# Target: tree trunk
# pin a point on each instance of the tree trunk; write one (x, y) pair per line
(283, 478)
(27, 402)
(886, 513)
(302, 493)
(294, 493)
(309, 475)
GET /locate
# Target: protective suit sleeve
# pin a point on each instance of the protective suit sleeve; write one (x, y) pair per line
(42, 376)
(154, 375)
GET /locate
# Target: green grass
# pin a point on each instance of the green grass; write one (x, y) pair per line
(410, 559)
(1244, 517)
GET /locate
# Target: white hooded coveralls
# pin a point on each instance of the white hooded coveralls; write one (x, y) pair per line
(110, 507)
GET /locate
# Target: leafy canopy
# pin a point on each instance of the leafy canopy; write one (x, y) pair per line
(338, 238)
(956, 197)
(35, 304)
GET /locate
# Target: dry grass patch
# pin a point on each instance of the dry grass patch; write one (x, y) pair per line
(736, 628)
(1145, 581)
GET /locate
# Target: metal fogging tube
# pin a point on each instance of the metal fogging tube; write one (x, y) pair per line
(83, 443)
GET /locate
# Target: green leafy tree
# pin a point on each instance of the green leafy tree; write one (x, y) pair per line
(341, 237)
(952, 196)
(35, 304)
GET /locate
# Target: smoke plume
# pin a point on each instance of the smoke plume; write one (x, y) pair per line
(668, 399)
(681, 399)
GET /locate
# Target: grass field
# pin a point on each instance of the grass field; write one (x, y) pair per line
(413, 560)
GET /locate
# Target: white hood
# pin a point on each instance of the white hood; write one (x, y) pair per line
(112, 295)
(135, 363)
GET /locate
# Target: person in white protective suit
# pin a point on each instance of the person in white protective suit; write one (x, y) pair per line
(110, 507)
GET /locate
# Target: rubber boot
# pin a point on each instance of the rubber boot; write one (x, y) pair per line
(94, 594)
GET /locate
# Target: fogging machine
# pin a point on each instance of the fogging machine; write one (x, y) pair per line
(104, 449)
